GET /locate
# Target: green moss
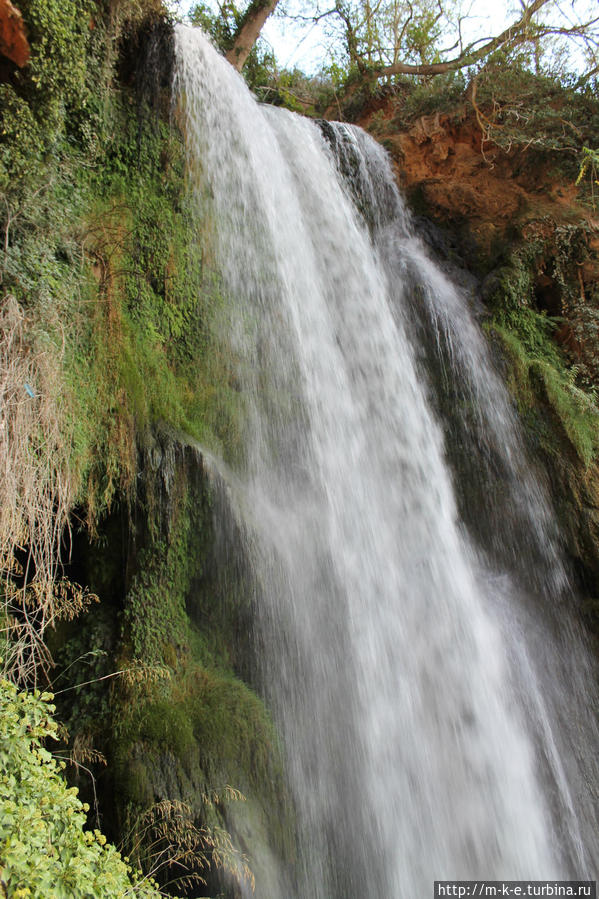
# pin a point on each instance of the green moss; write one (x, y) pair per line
(537, 285)
(167, 726)
(177, 534)
(209, 717)
(233, 729)
(99, 255)
(518, 371)
(203, 739)
(100, 238)
(210, 731)
(535, 380)
(576, 411)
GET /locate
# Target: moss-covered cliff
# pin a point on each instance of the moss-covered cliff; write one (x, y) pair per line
(113, 366)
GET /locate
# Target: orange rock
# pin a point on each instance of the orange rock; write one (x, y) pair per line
(13, 40)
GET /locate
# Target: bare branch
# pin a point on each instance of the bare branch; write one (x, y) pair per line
(513, 35)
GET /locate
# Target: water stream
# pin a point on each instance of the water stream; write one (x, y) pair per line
(423, 668)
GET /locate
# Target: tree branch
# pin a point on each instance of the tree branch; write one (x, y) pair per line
(515, 34)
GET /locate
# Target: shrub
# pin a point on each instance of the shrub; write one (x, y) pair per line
(45, 850)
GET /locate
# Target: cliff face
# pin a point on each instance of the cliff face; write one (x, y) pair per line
(512, 217)
(452, 172)
(112, 374)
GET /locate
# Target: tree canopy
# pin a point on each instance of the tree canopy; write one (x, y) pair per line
(380, 39)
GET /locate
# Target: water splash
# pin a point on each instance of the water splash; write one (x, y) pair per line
(395, 646)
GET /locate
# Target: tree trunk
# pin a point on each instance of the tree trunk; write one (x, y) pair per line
(249, 31)
(259, 10)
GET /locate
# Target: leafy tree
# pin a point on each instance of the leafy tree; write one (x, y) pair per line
(385, 38)
(223, 26)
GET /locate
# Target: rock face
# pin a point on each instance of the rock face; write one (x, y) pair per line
(13, 40)
(445, 163)
(445, 159)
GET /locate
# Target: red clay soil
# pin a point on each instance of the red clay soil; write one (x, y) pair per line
(444, 159)
(13, 40)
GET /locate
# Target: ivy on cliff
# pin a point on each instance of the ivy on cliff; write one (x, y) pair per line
(51, 99)
(118, 305)
(542, 273)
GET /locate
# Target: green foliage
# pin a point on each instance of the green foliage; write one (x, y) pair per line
(110, 254)
(45, 850)
(155, 615)
(589, 166)
(215, 726)
(100, 263)
(514, 312)
(292, 90)
(87, 656)
(183, 737)
(549, 116)
(156, 601)
(370, 36)
(534, 380)
(221, 26)
(576, 410)
(173, 364)
(541, 372)
(516, 109)
(185, 741)
(51, 91)
(422, 34)
(96, 232)
(444, 93)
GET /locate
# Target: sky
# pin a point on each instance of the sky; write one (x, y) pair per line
(307, 48)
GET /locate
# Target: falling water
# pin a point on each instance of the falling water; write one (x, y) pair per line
(398, 624)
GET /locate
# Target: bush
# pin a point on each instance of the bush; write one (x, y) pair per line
(45, 850)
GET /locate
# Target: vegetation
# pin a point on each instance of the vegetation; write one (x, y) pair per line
(590, 166)
(542, 370)
(45, 848)
(95, 234)
(384, 39)
(259, 63)
(110, 336)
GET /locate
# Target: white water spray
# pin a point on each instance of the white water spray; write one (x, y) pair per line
(395, 655)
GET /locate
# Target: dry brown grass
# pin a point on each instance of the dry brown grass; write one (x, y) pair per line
(37, 492)
(168, 838)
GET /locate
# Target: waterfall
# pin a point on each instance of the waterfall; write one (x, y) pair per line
(416, 650)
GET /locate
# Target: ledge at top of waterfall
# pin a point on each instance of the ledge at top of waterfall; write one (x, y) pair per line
(422, 742)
